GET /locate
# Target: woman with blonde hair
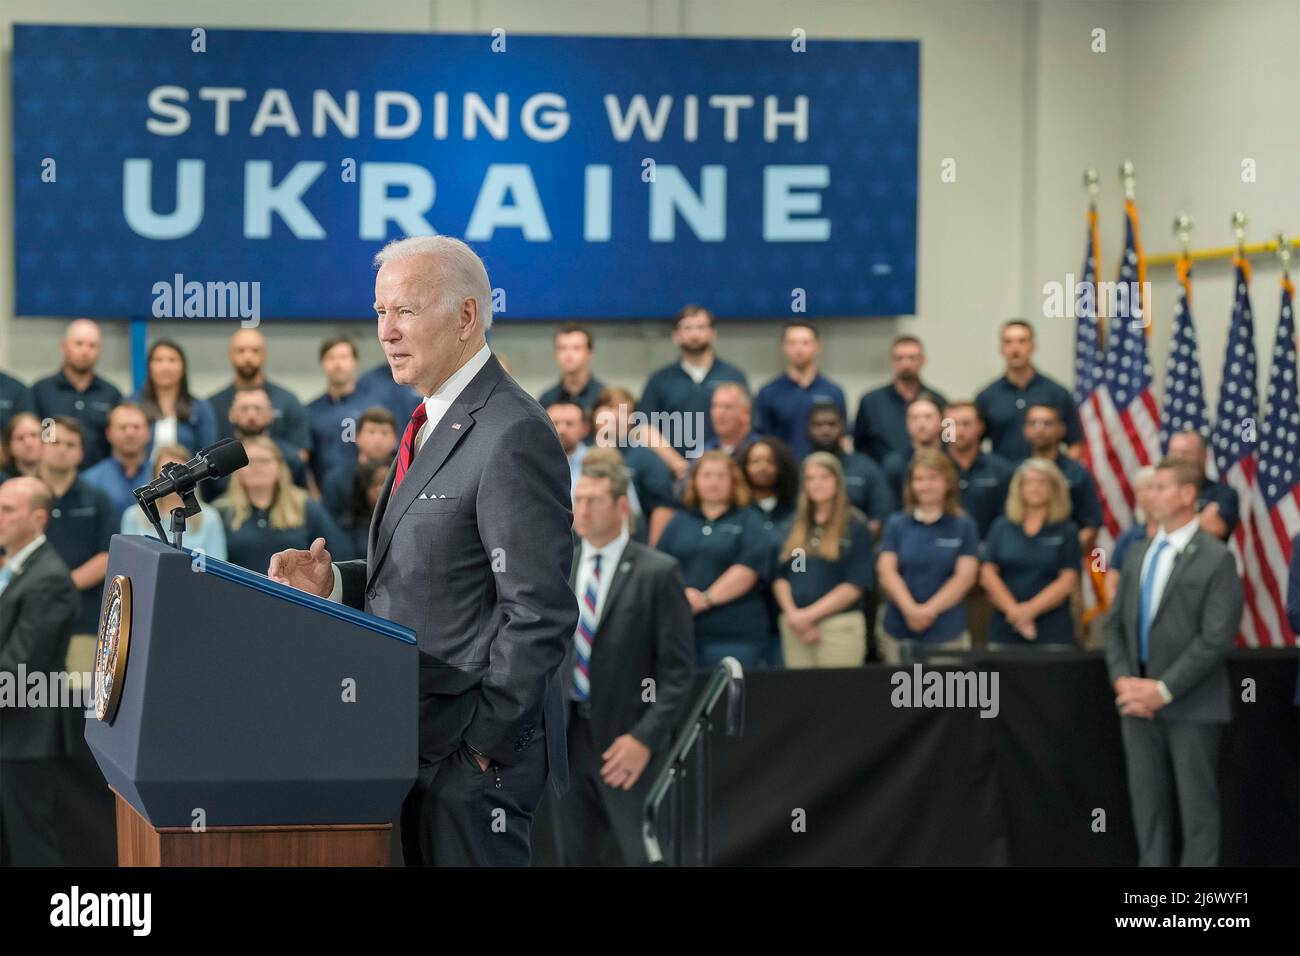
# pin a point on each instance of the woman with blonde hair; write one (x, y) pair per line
(203, 532)
(1031, 560)
(725, 555)
(928, 561)
(265, 512)
(825, 569)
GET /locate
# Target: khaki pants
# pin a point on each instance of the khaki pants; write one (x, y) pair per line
(843, 642)
(891, 653)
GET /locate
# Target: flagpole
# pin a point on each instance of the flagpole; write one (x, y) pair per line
(1284, 255)
(1239, 222)
(1183, 232)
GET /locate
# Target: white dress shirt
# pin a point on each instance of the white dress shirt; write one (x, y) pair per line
(436, 405)
(14, 562)
(610, 555)
(1178, 539)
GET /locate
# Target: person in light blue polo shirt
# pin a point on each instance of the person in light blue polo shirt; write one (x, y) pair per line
(1031, 561)
(928, 562)
(204, 533)
(124, 469)
(784, 404)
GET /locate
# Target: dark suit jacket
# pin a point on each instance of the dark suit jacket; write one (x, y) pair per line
(37, 610)
(646, 631)
(473, 553)
(1191, 631)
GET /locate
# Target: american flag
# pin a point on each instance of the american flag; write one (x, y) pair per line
(1088, 363)
(1234, 442)
(1183, 408)
(1125, 400)
(1277, 500)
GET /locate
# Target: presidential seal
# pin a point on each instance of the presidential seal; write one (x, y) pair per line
(111, 649)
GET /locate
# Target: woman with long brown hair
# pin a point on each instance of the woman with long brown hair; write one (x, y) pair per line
(825, 569)
(724, 555)
(175, 416)
(928, 561)
(265, 512)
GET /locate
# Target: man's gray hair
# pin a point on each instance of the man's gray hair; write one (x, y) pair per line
(459, 274)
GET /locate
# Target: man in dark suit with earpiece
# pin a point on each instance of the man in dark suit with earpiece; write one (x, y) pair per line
(628, 672)
(1174, 619)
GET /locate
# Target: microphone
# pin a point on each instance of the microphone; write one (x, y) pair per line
(215, 461)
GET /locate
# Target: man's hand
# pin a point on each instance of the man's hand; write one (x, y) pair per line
(1138, 697)
(625, 760)
(305, 570)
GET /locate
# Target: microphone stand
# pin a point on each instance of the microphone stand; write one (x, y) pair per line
(190, 507)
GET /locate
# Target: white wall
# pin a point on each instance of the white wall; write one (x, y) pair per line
(1009, 89)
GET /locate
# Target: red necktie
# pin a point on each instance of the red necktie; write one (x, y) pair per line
(406, 451)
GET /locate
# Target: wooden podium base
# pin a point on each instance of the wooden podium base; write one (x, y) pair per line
(139, 843)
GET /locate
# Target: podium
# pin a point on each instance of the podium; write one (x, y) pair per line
(244, 722)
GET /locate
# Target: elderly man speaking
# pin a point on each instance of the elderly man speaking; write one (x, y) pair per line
(470, 546)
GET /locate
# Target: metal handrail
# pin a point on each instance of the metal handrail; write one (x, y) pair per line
(696, 726)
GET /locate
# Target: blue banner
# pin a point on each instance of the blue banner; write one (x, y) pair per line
(598, 177)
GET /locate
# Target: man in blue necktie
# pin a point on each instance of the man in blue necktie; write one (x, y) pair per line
(1174, 620)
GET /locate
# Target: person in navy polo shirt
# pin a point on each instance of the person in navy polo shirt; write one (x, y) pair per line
(1004, 403)
(725, 556)
(783, 404)
(175, 416)
(881, 423)
(124, 470)
(983, 477)
(76, 391)
(574, 345)
(650, 494)
(864, 482)
(251, 416)
(1031, 561)
(924, 431)
(376, 440)
(983, 480)
(335, 415)
(1044, 431)
(248, 359)
(826, 567)
(685, 388)
(1144, 526)
(378, 383)
(15, 397)
(82, 520)
(1216, 503)
(264, 511)
(928, 562)
(22, 445)
(731, 412)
